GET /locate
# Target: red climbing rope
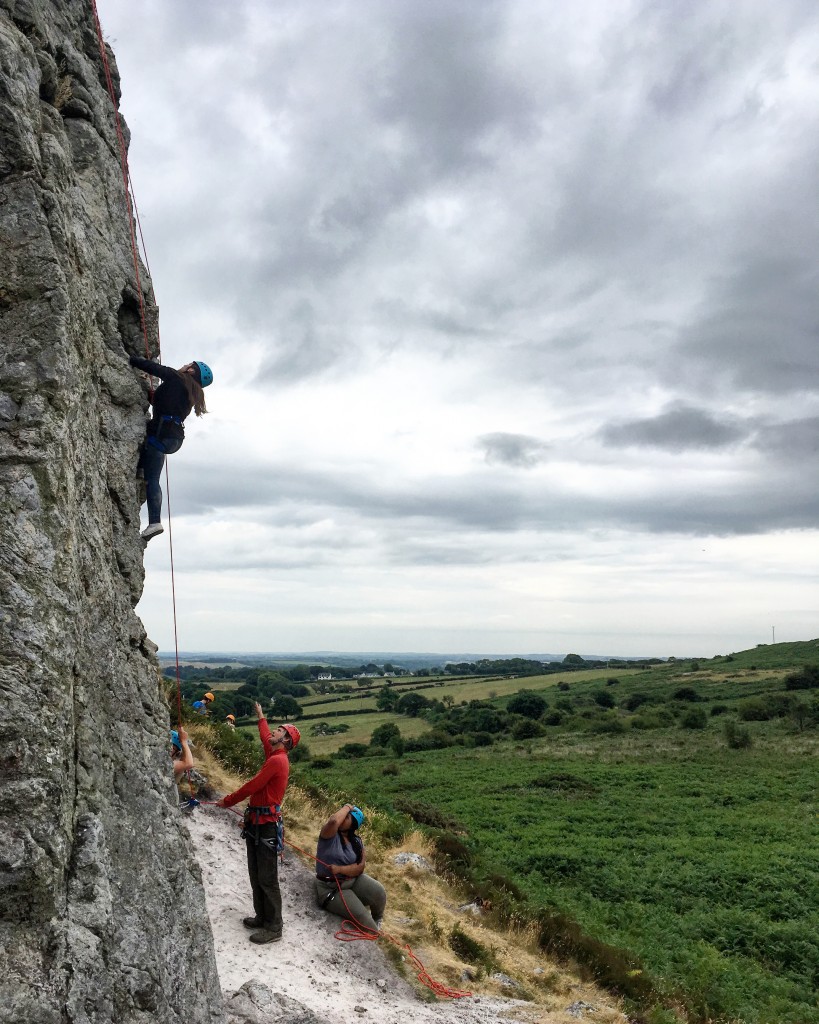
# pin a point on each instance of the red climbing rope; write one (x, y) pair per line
(131, 209)
(352, 930)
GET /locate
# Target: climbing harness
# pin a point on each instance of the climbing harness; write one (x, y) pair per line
(251, 828)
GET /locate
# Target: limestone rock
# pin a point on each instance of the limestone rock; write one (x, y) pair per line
(255, 1003)
(414, 860)
(102, 914)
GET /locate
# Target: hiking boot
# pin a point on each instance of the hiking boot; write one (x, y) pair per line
(253, 922)
(152, 530)
(263, 936)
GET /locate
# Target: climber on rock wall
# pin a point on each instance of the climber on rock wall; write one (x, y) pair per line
(178, 394)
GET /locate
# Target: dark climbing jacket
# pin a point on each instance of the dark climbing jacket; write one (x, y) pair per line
(170, 402)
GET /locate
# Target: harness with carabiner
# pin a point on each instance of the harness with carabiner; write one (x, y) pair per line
(251, 826)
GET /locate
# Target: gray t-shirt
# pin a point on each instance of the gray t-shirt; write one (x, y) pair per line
(333, 851)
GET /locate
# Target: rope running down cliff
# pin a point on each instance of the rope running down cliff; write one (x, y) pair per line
(131, 207)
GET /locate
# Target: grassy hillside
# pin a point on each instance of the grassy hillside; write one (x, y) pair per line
(673, 818)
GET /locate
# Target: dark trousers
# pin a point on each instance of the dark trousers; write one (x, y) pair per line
(263, 868)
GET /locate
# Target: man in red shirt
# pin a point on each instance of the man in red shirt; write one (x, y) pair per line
(261, 831)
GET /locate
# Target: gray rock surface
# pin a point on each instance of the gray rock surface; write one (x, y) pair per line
(255, 1003)
(102, 913)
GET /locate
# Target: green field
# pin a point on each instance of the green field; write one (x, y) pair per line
(462, 689)
(696, 858)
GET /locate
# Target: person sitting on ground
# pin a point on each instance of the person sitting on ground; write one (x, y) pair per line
(230, 721)
(178, 394)
(180, 753)
(262, 831)
(201, 706)
(340, 862)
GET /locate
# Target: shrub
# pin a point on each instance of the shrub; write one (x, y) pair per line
(526, 729)
(384, 735)
(234, 749)
(696, 718)
(425, 814)
(806, 679)
(451, 851)
(657, 718)
(636, 700)
(604, 699)
(552, 718)
(321, 762)
(482, 739)
(686, 693)
(528, 704)
(611, 724)
(390, 769)
(755, 710)
(612, 682)
(354, 750)
(299, 753)
(737, 736)
(719, 709)
(563, 686)
(469, 949)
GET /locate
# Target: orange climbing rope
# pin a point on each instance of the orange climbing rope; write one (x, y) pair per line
(131, 209)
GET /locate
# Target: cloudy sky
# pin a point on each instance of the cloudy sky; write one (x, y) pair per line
(512, 307)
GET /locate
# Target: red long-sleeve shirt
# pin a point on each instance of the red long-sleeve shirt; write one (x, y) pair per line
(267, 786)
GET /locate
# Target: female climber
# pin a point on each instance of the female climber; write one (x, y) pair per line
(340, 865)
(178, 394)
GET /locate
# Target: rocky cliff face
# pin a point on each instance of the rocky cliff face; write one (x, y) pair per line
(102, 914)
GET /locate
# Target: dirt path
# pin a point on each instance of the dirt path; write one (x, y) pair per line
(342, 982)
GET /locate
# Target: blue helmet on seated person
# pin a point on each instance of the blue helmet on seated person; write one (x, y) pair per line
(358, 817)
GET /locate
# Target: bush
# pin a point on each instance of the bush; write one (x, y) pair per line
(806, 679)
(385, 734)
(354, 750)
(299, 753)
(321, 762)
(451, 851)
(469, 949)
(612, 682)
(686, 693)
(755, 710)
(552, 718)
(737, 736)
(696, 718)
(563, 686)
(526, 729)
(234, 749)
(719, 709)
(604, 699)
(528, 704)
(611, 724)
(658, 718)
(636, 700)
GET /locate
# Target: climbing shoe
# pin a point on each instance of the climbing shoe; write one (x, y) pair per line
(253, 922)
(263, 936)
(152, 530)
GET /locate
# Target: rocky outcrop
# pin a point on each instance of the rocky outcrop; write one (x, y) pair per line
(102, 914)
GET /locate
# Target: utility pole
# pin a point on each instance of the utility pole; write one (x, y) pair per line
(773, 634)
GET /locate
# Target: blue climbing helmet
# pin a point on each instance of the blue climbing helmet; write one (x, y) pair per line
(175, 739)
(358, 817)
(205, 373)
